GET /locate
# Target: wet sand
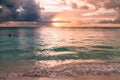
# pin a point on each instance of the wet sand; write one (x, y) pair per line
(78, 71)
(74, 70)
(90, 77)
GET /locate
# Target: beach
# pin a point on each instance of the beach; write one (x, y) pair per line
(49, 53)
(59, 39)
(78, 71)
(71, 78)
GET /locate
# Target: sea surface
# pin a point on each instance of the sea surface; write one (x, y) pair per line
(49, 46)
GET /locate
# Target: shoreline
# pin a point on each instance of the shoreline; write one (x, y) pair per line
(74, 70)
(66, 71)
(85, 77)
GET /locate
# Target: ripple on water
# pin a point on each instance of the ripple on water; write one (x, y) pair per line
(103, 47)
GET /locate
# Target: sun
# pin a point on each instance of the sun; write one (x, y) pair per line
(55, 23)
(56, 19)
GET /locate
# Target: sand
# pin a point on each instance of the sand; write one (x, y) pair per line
(90, 77)
(72, 71)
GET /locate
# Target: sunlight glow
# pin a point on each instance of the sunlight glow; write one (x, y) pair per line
(60, 21)
(56, 24)
(53, 63)
(56, 19)
(63, 11)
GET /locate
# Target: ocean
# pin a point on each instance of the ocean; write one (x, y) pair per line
(49, 46)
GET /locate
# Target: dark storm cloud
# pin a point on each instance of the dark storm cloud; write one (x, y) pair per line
(19, 10)
(30, 12)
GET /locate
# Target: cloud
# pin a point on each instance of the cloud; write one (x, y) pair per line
(4, 13)
(107, 4)
(114, 4)
(19, 10)
(29, 10)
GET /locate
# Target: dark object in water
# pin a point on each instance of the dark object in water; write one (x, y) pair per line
(10, 35)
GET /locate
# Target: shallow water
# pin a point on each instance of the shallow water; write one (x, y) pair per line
(26, 47)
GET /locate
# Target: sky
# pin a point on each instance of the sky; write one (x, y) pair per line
(75, 11)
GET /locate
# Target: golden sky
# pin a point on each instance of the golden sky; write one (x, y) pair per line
(64, 9)
(77, 12)
(85, 13)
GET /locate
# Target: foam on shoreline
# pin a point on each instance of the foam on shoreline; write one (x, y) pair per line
(68, 70)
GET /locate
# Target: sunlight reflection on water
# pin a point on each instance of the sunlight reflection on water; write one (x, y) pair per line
(57, 44)
(53, 63)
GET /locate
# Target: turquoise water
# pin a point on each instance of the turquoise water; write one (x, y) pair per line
(23, 46)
